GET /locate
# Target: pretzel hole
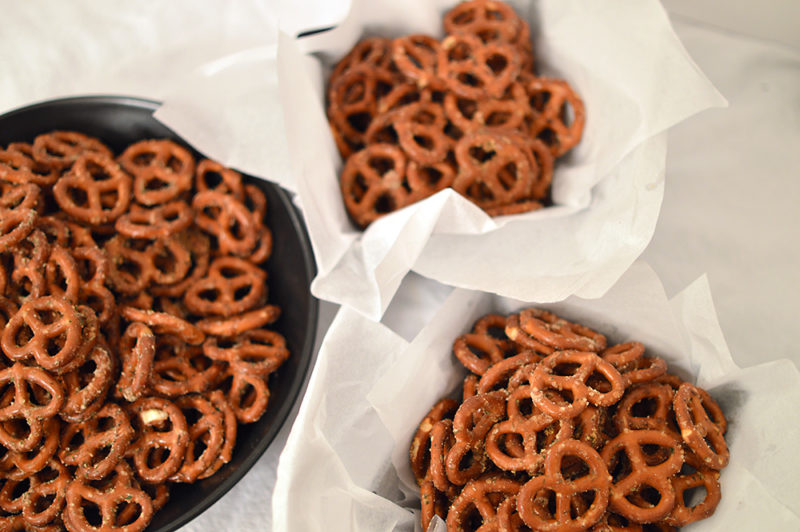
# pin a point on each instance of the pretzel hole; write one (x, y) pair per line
(175, 164)
(143, 158)
(460, 51)
(619, 466)
(693, 496)
(210, 294)
(385, 204)
(599, 381)
(211, 179)
(617, 520)
(464, 17)
(360, 121)
(645, 407)
(498, 118)
(431, 175)
(91, 513)
(471, 519)
(157, 456)
(425, 142)
(242, 292)
(646, 497)
(212, 211)
(23, 335)
(655, 454)
(77, 196)
(573, 467)
(488, 35)
(547, 436)
(47, 474)
(76, 441)
(497, 63)
(454, 133)
(469, 79)
(581, 502)
(128, 512)
(99, 454)
(19, 489)
(97, 172)
(548, 136)
(354, 92)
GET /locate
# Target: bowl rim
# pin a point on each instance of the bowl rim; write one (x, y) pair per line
(309, 266)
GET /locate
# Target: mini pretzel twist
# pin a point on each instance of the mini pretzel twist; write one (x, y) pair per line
(137, 349)
(473, 420)
(95, 191)
(698, 430)
(481, 494)
(219, 292)
(23, 407)
(160, 426)
(257, 352)
(162, 170)
(227, 220)
(61, 149)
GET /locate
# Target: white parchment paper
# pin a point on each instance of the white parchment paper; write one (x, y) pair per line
(345, 465)
(212, 63)
(637, 81)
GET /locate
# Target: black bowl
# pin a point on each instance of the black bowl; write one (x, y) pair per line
(120, 121)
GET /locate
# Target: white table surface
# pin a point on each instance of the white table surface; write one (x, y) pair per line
(731, 208)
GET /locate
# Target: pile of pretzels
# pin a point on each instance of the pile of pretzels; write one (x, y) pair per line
(557, 431)
(414, 115)
(133, 307)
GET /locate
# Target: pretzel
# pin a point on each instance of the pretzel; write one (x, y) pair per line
(33, 461)
(489, 19)
(642, 473)
(372, 51)
(163, 323)
(493, 170)
(643, 369)
(416, 57)
(15, 225)
(85, 394)
(20, 196)
(199, 247)
(546, 376)
(498, 375)
(159, 222)
(531, 505)
(219, 292)
(559, 333)
(472, 421)
(550, 99)
(95, 191)
(657, 397)
(61, 149)
(419, 452)
(683, 514)
(698, 430)
(229, 422)
(515, 332)
(211, 175)
(480, 495)
(23, 407)
(55, 230)
(137, 349)
(181, 369)
(104, 439)
(353, 99)
(162, 170)
(28, 275)
(44, 497)
(248, 396)
(49, 319)
(18, 166)
(236, 325)
(226, 219)
(472, 68)
(160, 425)
(257, 352)
(111, 501)
(209, 427)
(372, 183)
(590, 426)
(61, 274)
(420, 129)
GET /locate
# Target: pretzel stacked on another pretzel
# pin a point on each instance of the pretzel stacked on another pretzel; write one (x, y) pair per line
(556, 431)
(414, 115)
(132, 313)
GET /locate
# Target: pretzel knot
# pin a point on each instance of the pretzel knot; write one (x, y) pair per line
(181, 369)
(479, 501)
(137, 349)
(162, 170)
(570, 371)
(645, 407)
(473, 69)
(683, 514)
(419, 452)
(211, 175)
(699, 431)
(531, 434)
(97, 445)
(43, 499)
(416, 56)
(163, 323)
(19, 168)
(473, 420)
(48, 329)
(534, 499)
(488, 19)
(95, 190)
(163, 436)
(227, 220)
(231, 286)
(206, 436)
(33, 461)
(85, 390)
(642, 459)
(61, 149)
(117, 492)
(21, 406)
(15, 225)
(353, 99)
(159, 222)
(493, 169)
(420, 129)
(559, 333)
(559, 114)
(374, 183)
(255, 352)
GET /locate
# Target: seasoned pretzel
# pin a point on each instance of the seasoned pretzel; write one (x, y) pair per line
(554, 102)
(248, 395)
(219, 293)
(163, 323)
(683, 514)
(111, 500)
(472, 421)
(641, 473)
(493, 169)
(488, 19)
(33, 461)
(580, 365)
(559, 333)
(236, 325)
(15, 225)
(61, 273)
(515, 332)
(622, 354)
(61, 149)
(162, 170)
(419, 452)
(657, 398)
(160, 425)
(85, 393)
(227, 220)
(95, 190)
(472, 68)
(643, 369)
(481, 494)
(104, 439)
(211, 175)
(420, 129)
(209, 427)
(353, 99)
(159, 222)
(372, 52)
(20, 196)
(22, 406)
(537, 515)
(698, 429)
(229, 421)
(256, 352)
(416, 57)
(44, 497)
(137, 349)
(181, 369)
(17, 168)
(199, 247)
